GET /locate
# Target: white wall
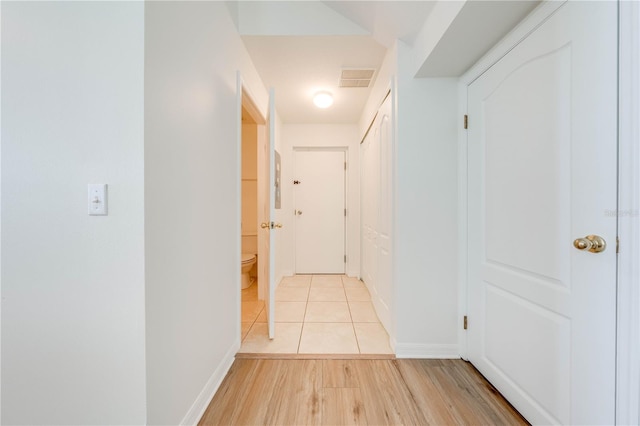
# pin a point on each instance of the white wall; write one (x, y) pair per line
(72, 284)
(321, 135)
(249, 188)
(435, 27)
(425, 211)
(425, 214)
(192, 216)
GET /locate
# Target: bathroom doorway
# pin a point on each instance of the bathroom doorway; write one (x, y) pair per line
(256, 184)
(253, 257)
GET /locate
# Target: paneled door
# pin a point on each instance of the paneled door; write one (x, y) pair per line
(319, 197)
(541, 178)
(375, 196)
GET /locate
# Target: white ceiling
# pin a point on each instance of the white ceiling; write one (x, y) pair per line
(386, 20)
(300, 47)
(490, 19)
(298, 67)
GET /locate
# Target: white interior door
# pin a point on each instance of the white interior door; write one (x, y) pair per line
(320, 211)
(542, 172)
(266, 233)
(376, 212)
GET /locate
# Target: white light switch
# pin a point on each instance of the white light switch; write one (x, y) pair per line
(98, 199)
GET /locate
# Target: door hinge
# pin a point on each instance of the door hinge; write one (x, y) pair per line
(617, 245)
(345, 258)
(345, 212)
(345, 165)
(296, 182)
(466, 121)
(464, 322)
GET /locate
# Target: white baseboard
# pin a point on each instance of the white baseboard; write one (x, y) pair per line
(419, 350)
(201, 403)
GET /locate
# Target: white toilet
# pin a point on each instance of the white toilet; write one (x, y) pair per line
(248, 260)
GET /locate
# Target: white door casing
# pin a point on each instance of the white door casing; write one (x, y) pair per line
(541, 173)
(376, 212)
(320, 220)
(246, 101)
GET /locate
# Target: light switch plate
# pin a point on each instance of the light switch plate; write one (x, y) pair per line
(98, 199)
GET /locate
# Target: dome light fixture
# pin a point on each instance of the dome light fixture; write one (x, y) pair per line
(323, 99)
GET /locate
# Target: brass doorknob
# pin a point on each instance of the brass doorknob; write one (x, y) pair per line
(265, 225)
(592, 243)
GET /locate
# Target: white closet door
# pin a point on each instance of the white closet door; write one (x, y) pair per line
(376, 212)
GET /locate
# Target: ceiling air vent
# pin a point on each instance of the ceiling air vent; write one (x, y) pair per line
(356, 77)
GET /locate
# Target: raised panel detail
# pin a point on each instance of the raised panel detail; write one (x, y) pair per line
(527, 164)
(520, 333)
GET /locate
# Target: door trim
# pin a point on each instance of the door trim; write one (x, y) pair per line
(244, 98)
(345, 151)
(628, 332)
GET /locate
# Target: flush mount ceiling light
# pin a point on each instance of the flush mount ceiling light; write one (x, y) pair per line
(323, 99)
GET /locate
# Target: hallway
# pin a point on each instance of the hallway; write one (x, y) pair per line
(315, 314)
(356, 392)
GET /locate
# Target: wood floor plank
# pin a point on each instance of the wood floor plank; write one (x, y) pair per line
(267, 378)
(376, 392)
(339, 373)
(493, 403)
(343, 406)
(297, 398)
(387, 400)
(425, 393)
(463, 406)
(228, 399)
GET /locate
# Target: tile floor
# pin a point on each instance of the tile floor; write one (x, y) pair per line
(315, 314)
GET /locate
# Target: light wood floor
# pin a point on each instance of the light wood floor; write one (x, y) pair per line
(357, 392)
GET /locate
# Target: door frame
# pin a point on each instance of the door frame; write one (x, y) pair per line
(246, 99)
(628, 332)
(345, 151)
(628, 327)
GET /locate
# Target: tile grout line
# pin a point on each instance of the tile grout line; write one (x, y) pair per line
(353, 327)
(306, 305)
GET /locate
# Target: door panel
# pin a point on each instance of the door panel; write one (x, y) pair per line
(320, 211)
(542, 171)
(369, 199)
(538, 164)
(271, 290)
(266, 201)
(376, 212)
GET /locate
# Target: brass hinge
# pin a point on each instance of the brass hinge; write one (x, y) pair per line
(466, 121)
(345, 165)
(345, 212)
(464, 322)
(617, 244)
(345, 258)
